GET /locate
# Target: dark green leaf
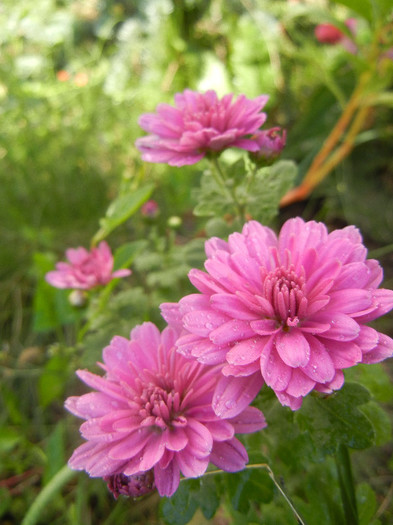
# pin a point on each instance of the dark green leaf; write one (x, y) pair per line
(180, 508)
(247, 486)
(337, 419)
(380, 421)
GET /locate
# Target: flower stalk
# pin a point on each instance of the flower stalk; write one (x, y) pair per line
(347, 489)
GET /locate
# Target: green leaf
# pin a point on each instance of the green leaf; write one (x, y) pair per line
(262, 191)
(374, 378)
(362, 7)
(211, 200)
(247, 486)
(121, 210)
(380, 421)
(367, 504)
(337, 419)
(52, 381)
(180, 508)
(125, 255)
(206, 497)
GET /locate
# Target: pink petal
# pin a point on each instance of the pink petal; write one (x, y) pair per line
(167, 480)
(274, 371)
(247, 351)
(176, 439)
(230, 455)
(293, 348)
(383, 350)
(191, 466)
(221, 430)
(299, 385)
(200, 440)
(248, 421)
(342, 327)
(343, 355)
(234, 330)
(265, 326)
(231, 305)
(202, 322)
(234, 394)
(130, 445)
(320, 367)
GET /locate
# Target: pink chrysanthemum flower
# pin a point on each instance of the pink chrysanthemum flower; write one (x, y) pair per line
(200, 123)
(85, 269)
(289, 311)
(153, 411)
(271, 142)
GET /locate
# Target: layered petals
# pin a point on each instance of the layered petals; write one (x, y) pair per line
(288, 310)
(151, 418)
(200, 123)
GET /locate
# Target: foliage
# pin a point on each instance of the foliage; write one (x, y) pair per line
(74, 79)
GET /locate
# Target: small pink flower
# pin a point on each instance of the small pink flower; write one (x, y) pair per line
(198, 124)
(288, 311)
(270, 142)
(150, 209)
(85, 270)
(330, 34)
(153, 412)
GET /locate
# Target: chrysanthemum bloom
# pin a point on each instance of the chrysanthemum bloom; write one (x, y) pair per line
(330, 34)
(153, 411)
(288, 311)
(271, 142)
(198, 124)
(85, 269)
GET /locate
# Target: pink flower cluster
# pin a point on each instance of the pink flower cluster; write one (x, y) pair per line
(199, 124)
(289, 311)
(85, 270)
(151, 417)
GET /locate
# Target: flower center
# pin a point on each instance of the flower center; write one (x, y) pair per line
(160, 407)
(284, 289)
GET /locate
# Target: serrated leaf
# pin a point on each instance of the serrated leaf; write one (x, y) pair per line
(268, 185)
(206, 496)
(337, 419)
(121, 210)
(211, 200)
(180, 508)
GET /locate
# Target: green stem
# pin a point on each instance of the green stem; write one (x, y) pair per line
(219, 177)
(347, 489)
(34, 513)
